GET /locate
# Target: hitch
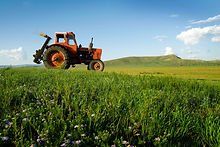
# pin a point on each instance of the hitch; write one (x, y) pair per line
(38, 55)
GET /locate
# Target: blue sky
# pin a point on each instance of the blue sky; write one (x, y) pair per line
(187, 28)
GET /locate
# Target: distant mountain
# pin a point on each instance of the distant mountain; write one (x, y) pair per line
(22, 65)
(158, 61)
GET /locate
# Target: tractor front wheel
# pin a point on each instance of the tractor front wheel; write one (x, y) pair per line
(97, 65)
(56, 57)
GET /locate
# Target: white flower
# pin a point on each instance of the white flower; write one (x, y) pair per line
(157, 139)
(76, 126)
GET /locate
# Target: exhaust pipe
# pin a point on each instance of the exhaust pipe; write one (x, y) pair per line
(90, 45)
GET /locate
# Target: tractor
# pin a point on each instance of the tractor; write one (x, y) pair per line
(65, 52)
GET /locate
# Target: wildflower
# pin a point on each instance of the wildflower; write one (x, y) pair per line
(64, 144)
(6, 126)
(157, 139)
(51, 102)
(24, 110)
(76, 126)
(76, 142)
(125, 142)
(38, 140)
(43, 139)
(33, 145)
(10, 124)
(92, 115)
(46, 131)
(82, 125)
(168, 134)
(83, 135)
(96, 137)
(5, 138)
(43, 119)
(67, 141)
(137, 134)
(69, 135)
(130, 127)
(113, 145)
(25, 119)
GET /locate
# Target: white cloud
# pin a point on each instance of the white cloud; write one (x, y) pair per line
(160, 37)
(193, 36)
(13, 54)
(168, 51)
(174, 16)
(192, 56)
(210, 19)
(216, 39)
(188, 27)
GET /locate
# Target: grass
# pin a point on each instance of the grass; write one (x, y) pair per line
(205, 73)
(75, 107)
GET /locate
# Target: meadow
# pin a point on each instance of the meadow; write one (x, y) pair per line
(198, 73)
(41, 107)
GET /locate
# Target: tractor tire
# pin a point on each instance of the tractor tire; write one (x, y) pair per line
(97, 65)
(56, 57)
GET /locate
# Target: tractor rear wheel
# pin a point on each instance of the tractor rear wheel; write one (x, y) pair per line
(56, 57)
(97, 65)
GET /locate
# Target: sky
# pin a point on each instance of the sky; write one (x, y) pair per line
(189, 29)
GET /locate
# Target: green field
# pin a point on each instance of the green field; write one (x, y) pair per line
(199, 73)
(152, 106)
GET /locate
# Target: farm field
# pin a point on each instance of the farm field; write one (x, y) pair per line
(200, 73)
(121, 107)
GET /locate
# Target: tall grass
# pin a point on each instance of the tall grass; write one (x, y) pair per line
(67, 107)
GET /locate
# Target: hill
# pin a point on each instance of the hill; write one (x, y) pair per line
(158, 61)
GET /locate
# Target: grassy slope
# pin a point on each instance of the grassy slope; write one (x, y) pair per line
(199, 73)
(143, 110)
(158, 61)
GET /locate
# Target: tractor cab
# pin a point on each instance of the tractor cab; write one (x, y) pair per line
(68, 40)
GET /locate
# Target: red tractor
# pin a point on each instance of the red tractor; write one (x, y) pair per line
(65, 52)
